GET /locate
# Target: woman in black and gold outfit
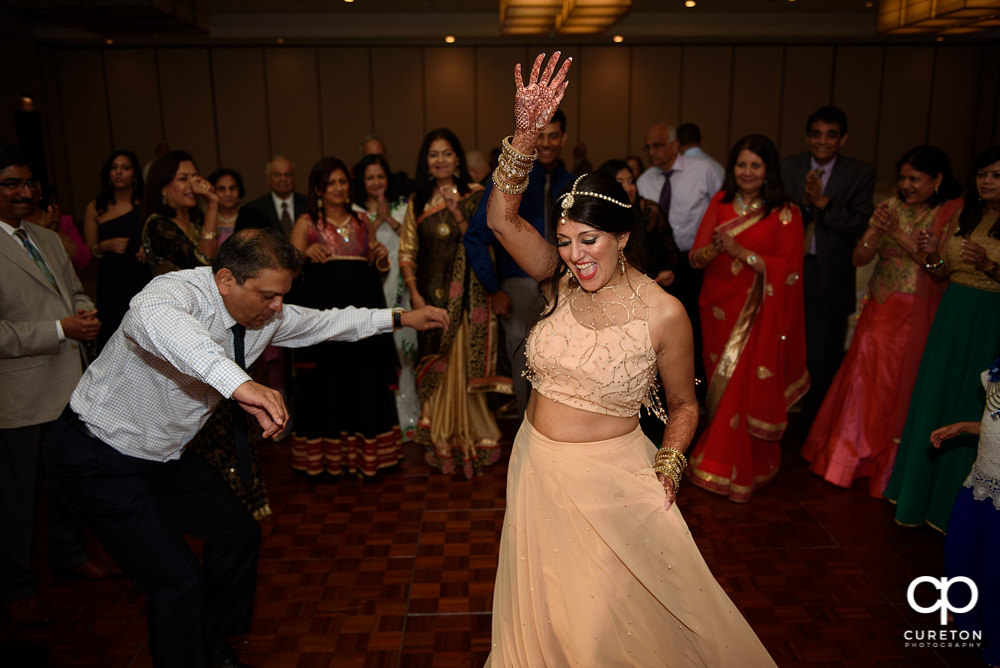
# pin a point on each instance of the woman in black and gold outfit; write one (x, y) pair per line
(457, 366)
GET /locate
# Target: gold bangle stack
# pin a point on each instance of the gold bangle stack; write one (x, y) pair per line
(209, 236)
(708, 253)
(511, 174)
(672, 464)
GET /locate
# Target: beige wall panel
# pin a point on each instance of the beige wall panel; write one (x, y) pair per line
(450, 91)
(756, 105)
(705, 95)
(241, 111)
(81, 81)
(495, 94)
(857, 86)
(189, 113)
(293, 107)
(953, 111)
(345, 121)
(397, 73)
(571, 101)
(133, 100)
(656, 92)
(604, 93)
(906, 94)
(807, 85)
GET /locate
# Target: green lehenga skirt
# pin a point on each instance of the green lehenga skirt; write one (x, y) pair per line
(964, 340)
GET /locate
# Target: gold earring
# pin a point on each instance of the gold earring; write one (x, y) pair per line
(163, 198)
(319, 203)
(621, 260)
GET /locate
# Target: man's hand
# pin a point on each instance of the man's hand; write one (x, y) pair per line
(428, 317)
(83, 326)
(501, 304)
(263, 403)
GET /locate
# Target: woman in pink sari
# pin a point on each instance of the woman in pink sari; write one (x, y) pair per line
(858, 427)
(750, 244)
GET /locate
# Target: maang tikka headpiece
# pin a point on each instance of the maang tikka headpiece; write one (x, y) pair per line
(567, 200)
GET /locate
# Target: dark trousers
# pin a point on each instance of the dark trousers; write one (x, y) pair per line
(825, 335)
(20, 478)
(140, 510)
(687, 288)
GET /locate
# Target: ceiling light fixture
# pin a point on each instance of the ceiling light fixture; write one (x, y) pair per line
(902, 17)
(617, 39)
(590, 17)
(690, 3)
(449, 39)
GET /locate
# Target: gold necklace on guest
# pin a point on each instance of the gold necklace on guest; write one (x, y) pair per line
(742, 208)
(343, 229)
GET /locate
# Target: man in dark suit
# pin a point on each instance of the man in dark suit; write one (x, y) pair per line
(282, 206)
(44, 317)
(835, 193)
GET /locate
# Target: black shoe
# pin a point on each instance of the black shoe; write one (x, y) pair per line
(224, 657)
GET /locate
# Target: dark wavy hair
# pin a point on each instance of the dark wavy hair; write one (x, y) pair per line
(358, 192)
(248, 252)
(972, 211)
(425, 182)
(932, 161)
(601, 215)
(319, 179)
(773, 191)
(161, 172)
(214, 177)
(106, 195)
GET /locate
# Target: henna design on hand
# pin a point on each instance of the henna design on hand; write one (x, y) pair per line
(535, 103)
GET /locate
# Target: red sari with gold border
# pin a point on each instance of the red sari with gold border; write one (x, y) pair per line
(753, 330)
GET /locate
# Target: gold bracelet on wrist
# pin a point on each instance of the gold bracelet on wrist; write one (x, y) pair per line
(508, 148)
(209, 236)
(504, 186)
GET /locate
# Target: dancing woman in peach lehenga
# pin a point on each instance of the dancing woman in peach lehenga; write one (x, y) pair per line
(596, 564)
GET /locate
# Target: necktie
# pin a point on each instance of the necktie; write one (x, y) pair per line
(239, 416)
(35, 255)
(665, 193)
(286, 219)
(548, 206)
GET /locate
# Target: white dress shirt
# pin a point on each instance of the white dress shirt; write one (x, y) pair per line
(696, 152)
(163, 372)
(692, 184)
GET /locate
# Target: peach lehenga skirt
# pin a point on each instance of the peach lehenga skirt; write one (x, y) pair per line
(593, 572)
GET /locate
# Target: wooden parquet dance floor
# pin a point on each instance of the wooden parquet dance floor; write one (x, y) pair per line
(398, 571)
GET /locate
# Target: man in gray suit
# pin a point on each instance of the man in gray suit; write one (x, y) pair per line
(282, 206)
(835, 194)
(44, 317)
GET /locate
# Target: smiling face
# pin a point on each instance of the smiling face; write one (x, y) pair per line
(122, 175)
(825, 141)
(592, 255)
(375, 180)
(228, 192)
(337, 192)
(17, 194)
(916, 187)
(179, 192)
(750, 172)
(258, 300)
(549, 145)
(988, 183)
(624, 177)
(442, 159)
(661, 150)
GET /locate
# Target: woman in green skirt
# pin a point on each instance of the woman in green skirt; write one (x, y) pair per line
(964, 339)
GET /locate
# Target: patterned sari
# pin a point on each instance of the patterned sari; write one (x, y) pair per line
(457, 366)
(754, 348)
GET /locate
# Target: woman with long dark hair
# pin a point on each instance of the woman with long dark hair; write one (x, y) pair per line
(750, 244)
(345, 410)
(964, 338)
(176, 233)
(596, 565)
(112, 228)
(857, 429)
(457, 366)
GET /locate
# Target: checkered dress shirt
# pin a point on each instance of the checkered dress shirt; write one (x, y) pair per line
(163, 372)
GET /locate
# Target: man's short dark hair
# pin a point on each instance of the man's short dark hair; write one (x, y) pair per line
(830, 114)
(560, 118)
(688, 133)
(12, 154)
(248, 252)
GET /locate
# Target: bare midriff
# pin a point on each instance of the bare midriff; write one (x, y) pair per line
(573, 425)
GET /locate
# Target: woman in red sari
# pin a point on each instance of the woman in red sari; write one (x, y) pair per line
(750, 244)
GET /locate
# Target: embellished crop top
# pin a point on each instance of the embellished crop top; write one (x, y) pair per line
(594, 351)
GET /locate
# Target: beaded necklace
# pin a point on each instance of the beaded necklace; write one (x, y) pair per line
(993, 390)
(742, 208)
